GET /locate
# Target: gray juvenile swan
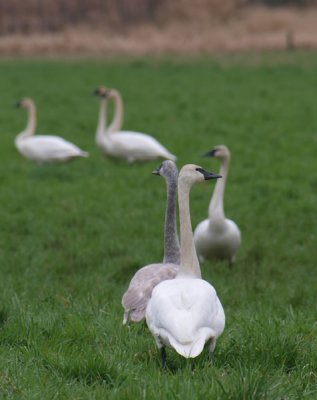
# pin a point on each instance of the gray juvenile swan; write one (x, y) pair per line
(218, 237)
(135, 299)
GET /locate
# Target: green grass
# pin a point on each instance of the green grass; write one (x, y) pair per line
(73, 235)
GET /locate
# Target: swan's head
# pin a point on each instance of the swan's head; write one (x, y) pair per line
(102, 91)
(192, 173)
(167, 169)
(25, 103)
(222, 152)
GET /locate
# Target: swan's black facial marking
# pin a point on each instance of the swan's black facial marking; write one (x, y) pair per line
(208, 175)
(104, 93)
(210, 153)
(157, 171)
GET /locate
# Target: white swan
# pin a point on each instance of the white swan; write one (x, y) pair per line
(131, 146)
(135, 299)
(218, 237)
(185, 313)
(51, 149)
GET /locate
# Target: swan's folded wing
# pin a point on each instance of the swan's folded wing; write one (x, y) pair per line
(51, 147)
(136, 298)
(136, 143)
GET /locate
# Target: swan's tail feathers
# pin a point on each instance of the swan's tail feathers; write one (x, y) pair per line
(84, 154)
(191, 349)
(170, 156)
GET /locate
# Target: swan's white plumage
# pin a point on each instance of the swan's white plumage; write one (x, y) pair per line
(134, 146)
(215, 241)
(185, 314)
(48, 149)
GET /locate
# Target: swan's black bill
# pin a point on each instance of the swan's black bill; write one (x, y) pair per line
(18, 104)
(96, 92)
(208, 175)
(210, 153)
(157, 170)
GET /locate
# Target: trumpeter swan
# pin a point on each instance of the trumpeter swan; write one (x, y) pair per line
(131, 146)
(185, 313)
(135, 299)
(51, 149)
(218, 237)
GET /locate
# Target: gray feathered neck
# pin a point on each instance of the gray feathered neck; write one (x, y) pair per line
(171, 241)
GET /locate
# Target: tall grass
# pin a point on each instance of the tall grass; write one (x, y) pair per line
(73, 235)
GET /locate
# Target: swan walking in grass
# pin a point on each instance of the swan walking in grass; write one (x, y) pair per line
(43, 149)
(135, 299)
(185, 313)
(218, 237)
(131, 146)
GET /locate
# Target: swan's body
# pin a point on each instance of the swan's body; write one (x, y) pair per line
(218, 237)
(44, 149)
(128, 145)
(217, 241)
(185, 313)
(136, 298)
(133, 146)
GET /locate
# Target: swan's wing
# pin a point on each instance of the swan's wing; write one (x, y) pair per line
(185, 314)
(138, 145)
(51, 147)
(135, 299)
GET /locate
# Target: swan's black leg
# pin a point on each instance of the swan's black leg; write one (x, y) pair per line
(211, 349)
(163, 356)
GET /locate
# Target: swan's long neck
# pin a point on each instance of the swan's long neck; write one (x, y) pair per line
(171, 242)
(31, 123)
(116, 123)
(189, 262)
(101, 127)
(216, 210)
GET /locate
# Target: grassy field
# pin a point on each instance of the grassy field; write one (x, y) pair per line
(73, 235)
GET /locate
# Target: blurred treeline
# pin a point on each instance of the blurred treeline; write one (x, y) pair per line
(28, 16)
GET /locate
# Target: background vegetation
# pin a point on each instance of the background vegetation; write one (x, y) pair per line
(73, 235)
(55, 15)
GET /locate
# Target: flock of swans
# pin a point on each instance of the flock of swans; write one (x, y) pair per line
(182, 310)
(131, 146)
